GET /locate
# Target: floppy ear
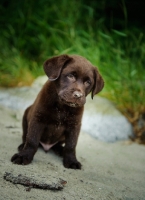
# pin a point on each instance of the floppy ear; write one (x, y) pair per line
(53, 66)
(98, 83)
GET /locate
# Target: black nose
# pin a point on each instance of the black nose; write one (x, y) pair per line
(77, 94)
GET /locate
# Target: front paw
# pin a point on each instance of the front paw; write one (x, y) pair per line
(73, 164)
(21, 158)
(20, 147)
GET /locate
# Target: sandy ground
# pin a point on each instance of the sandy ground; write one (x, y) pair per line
(110, 171)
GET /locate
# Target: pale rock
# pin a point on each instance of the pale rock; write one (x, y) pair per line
(104, 121)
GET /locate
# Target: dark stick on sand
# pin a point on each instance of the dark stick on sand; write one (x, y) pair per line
(55, 184)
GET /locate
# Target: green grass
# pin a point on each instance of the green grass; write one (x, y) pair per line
(15, 69)
(28, 38)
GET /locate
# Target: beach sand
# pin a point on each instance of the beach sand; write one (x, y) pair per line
(110, 171)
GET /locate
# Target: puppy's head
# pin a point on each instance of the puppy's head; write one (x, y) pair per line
(75, 77)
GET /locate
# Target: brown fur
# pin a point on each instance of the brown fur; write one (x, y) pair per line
(55, 116)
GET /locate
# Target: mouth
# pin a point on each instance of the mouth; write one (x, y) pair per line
(71, 104)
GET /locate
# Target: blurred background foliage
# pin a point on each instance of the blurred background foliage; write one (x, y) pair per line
(108, 33)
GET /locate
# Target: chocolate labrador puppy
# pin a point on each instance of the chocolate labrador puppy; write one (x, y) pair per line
(54, 119)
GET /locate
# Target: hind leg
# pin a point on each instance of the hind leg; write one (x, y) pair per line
(25, 129)
(58, 148)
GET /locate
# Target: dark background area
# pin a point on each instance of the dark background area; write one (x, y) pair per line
(23, 20)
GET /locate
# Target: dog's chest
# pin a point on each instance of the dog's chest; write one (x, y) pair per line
(57, 122)
(64, 117)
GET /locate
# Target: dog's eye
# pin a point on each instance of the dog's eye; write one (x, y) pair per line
(71, 76)
(87, 82)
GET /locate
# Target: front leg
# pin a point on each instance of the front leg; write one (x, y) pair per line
(25, 156)
(69, 155)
